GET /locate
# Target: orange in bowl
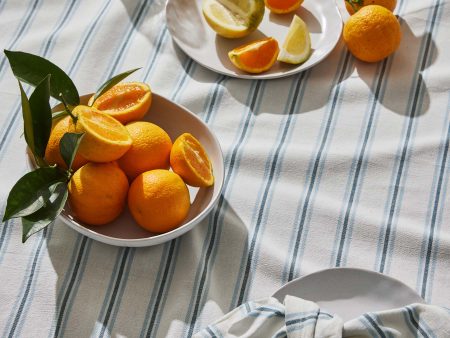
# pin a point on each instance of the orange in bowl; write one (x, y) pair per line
(255, 57)
(126, 101)
(189, 159)
(283, 6)
(150, 149)
(158, 200)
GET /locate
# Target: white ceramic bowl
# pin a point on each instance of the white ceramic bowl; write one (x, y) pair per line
(124, 231)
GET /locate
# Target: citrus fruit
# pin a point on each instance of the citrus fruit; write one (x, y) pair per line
(158, 200)
(105, 139)
(150, 149)
(355, 5)
(233, 18)
(283, 6)
(255, 57)
(52, 153)
(98, 192)
(372, 33)
(297, 44)
(128, 101)
(189, 159)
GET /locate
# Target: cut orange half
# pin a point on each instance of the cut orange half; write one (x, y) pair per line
(189, 159)
(105, 139)
(255, 57)
(283, 6)
(128, 101)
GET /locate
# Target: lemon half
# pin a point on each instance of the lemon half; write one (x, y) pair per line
(233, 18)
(297, 45)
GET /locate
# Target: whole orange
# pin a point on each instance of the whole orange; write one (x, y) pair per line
(150, 149)
(52, 153)
(158, 200)
(355, 5)
(372, 34)
(98, 192)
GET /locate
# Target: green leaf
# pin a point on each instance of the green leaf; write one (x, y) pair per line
(41, 115)
(27, 119)
(32, 69)
(111, 83)
(32, 191)
(44, 216)
(68, 147)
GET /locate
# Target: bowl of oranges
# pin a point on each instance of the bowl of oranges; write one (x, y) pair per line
(146, 171)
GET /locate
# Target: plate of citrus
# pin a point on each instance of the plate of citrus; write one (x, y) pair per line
(255, 39)
(124, 166)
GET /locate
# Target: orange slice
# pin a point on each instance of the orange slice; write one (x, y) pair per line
(189, 159)
(283, 6)
(255, 57)
(128, 101)
(105, 139)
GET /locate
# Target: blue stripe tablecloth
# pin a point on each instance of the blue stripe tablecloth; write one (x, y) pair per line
(345, 164)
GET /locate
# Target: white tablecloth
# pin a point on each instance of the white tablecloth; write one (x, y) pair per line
(343, 165)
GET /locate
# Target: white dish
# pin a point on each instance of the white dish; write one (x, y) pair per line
(192, 34)
(350, 292)
(124, 231)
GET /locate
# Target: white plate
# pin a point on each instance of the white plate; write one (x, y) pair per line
(124, 231)
(350, 292)
(193, 35)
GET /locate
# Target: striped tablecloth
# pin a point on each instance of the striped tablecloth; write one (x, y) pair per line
(345, 164)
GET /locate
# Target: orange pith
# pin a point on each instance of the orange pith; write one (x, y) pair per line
(125, 102)
(255, 57)
(283, 6)
(189, 159)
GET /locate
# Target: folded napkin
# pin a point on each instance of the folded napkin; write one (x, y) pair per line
(299, 318)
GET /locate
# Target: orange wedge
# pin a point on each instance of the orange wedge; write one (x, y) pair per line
(128, 101)
(189, 159)
(283, 6)
(255, 57)
(105, 139)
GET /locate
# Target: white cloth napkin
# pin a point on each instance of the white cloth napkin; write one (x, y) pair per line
(299, 318)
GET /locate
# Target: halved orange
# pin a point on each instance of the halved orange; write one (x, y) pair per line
(283, 6)
(189, 159)
(105, 139)
(255, 57)
(128, 101)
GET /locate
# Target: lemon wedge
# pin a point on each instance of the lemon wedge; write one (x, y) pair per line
(233, 18)
(297, 45)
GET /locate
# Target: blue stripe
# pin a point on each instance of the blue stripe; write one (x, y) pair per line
(117, 293)
(298, 321)
(63, 295)
(136, 21)
(206, 262)
(359, 164)
(416, 323)
(271, 175)
(27, 286)
(379, 331)
(23, 27)
(316, 171)
(232, 163)
(387, 233)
